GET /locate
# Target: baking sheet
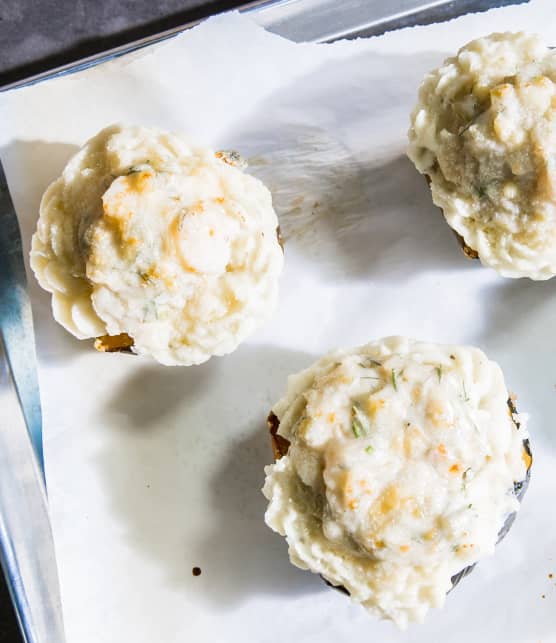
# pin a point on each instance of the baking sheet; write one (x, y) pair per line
(154, 470)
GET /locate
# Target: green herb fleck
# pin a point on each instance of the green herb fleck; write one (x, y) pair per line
(394, 382)
(369, 449)
(470, 505)
(360, 424)
(368, 363)
(150, 312)
(438, 370)
(481, 190)
(465, 397)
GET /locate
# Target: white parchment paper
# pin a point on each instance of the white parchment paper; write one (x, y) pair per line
(154, 470)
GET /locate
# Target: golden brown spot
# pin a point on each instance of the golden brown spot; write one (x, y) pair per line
(417, 393)
(436, 413)
(389, 499)
(540, 81)
(373, 405)
(353, 504)
(174, 237)
(379, 544)
(220, 199)
(139, 181)
(455, 468)
(348, 484)
(499, 91)
(404, 548)
(441, 449)
(364, 485)
(332, 417)
(431, 534)
(196, 208)
(211, 232)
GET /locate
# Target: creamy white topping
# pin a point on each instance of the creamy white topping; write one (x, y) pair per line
(484, 131)
(145, 235)
(400, 470)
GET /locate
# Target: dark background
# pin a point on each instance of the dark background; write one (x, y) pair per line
(36, 35)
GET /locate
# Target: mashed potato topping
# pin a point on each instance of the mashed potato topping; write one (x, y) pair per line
(400, 470)
(173, 245)
(484, 131)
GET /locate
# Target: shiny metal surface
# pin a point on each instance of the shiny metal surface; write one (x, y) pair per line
(16, 321)
(27, 552)
(307, 21)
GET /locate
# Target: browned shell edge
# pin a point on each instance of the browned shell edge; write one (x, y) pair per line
(280, 448)
(114, 343)
(467, 250)
(123, 343)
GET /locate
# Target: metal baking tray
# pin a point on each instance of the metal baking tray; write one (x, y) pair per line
(307, 21)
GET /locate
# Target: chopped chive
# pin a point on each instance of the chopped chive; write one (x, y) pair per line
(470, 505)
(369, 449)
(465, 397)
(481, 191)
(360, 423)
(370, 362)
(438, 370)
(394, 383)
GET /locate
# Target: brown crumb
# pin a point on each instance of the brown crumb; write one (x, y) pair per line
(543, 596)
(550, 575)
(196, 571)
